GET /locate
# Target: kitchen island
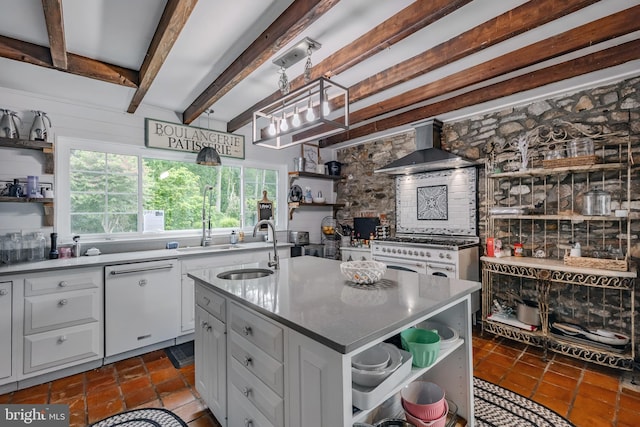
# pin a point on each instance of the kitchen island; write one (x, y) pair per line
(283, 343)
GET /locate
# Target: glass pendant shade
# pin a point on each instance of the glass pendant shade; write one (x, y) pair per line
(208, 156)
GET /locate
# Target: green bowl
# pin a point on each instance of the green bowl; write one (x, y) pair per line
(423, 344)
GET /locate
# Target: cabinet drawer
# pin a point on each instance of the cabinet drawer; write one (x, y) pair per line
(257, 394)
(62, 346)
(213, 303)
(46, 312)
(258, 331)
(256, 361)
(5, 329)
(243, 414)
(45, 283)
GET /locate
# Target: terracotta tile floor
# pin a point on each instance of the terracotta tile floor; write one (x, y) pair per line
(586, 394)
(149, 380)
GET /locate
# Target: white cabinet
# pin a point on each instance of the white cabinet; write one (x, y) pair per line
(142, 305)
(256, 348)
(275, 376)
(62, 319)
(5, 330)
(211, 352)
(217, 259)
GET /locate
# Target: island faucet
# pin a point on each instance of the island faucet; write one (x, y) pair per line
(275, 264)
(206, 220)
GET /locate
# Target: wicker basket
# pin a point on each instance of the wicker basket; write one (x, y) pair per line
(570, 162)
(605, 264)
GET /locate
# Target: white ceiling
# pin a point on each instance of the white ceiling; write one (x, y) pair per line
(217, 32)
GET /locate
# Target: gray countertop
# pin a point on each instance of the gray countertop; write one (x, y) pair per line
(130, 257)
(311, 296)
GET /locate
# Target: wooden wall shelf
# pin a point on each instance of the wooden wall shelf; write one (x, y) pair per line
(45, 147)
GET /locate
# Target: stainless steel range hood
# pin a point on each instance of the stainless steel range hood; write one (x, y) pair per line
(428, 155)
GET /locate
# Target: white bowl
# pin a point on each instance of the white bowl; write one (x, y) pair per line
(318, 200)
(372, 359)
(363, 272)
(448, 335)
(374, 378)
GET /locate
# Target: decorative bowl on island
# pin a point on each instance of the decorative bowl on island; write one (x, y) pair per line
(363, 272)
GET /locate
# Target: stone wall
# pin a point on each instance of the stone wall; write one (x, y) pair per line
(611, 109)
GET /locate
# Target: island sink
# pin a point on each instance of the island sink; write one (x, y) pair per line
(248, 273)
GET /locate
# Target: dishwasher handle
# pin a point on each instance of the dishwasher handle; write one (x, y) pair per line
(140, 270)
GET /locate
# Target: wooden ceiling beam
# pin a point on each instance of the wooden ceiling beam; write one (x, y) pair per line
(606, 58)
(289, 25)
(82, 66)
(589, 34)
(55, 29)
(406, 22)
(174, 17)
(510, 24)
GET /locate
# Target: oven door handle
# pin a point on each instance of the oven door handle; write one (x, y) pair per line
(395, 261)
(439, 267)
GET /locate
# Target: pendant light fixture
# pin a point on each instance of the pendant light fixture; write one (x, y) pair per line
(318, 109)
(208, 156)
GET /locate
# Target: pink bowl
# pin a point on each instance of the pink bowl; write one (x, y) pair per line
(424, 400)
(439, 422)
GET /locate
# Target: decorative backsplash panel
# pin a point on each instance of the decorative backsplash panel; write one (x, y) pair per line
(439, 202)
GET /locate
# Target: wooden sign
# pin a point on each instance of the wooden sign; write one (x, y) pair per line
(179, 137)
(265, 209)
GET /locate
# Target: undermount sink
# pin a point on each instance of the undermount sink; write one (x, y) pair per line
(247, 273)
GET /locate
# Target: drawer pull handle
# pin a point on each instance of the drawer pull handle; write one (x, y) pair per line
(63, 284)
(62, 302)
(246, 391)
(248, 422)
(142, 282)
(3, 292)
(62, 339)
(248, 360)
(206, 300)
(247, 330)
(206, 326)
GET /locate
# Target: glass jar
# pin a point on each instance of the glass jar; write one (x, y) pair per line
(554, 152)
(12, 249)
(580, 147)
(597, 202)
(39, 246)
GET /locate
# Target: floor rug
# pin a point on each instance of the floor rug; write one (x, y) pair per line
(180, 355)
(498, 407)
(148, 417)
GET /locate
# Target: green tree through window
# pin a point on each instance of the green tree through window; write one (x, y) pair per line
(104, 193)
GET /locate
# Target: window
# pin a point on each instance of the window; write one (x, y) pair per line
(104, 193)
(130, 194)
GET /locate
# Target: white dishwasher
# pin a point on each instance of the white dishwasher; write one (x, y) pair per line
(142, 304)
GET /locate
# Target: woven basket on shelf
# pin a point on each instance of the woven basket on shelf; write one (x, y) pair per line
(606, 264)
(570, 161)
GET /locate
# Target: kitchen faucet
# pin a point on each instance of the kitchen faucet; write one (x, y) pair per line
(206, 220)
(273, 263)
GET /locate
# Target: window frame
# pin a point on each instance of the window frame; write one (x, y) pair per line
(62, 205)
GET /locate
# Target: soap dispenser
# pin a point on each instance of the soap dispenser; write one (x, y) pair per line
(234, 237)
